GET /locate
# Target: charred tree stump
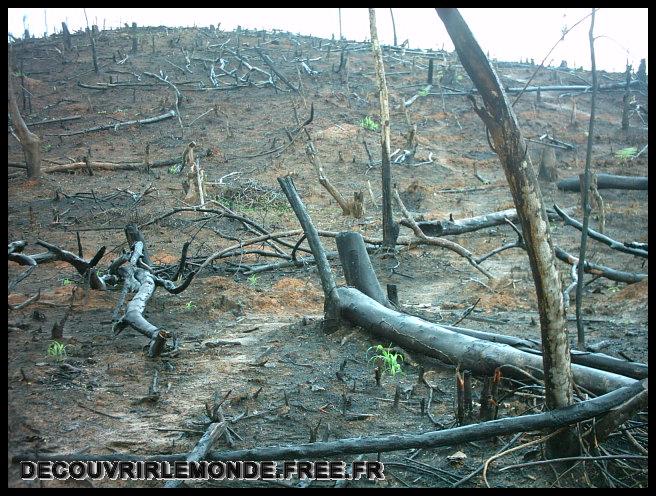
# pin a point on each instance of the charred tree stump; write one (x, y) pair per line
(392, 294)
(94, 54)
(390, 228)
(626, 100)
(358, 270)
(135, 39)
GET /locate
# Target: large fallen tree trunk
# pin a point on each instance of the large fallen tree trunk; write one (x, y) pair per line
(381, 444)
(595, 360)
(460, 226)
(479, 356)
(606, 181)
(356, 263)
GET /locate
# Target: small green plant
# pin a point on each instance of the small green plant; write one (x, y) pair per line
(66, 282)
(626, 153)
(57, 350)
(252, 280)
(423, 92)
(190, 305)
(173, 169)
(369, 124)
(388, 359)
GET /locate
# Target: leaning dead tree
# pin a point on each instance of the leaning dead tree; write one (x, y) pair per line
(509, 144)
(29, 141)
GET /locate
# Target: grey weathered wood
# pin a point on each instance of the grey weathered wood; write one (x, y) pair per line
(479, 356)
(606, 181)
(356, 263)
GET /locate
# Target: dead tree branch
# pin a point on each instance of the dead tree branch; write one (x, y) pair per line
(443, 243)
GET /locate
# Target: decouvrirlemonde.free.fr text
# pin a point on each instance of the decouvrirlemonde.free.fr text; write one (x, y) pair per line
(201, 470)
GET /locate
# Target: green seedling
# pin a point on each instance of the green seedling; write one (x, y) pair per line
(173, 169)
(252, 280)
(190, 305)
(57, 350)
(423, 92)
(388, 359)
(369, 124)
(66, 282)
(626, 153)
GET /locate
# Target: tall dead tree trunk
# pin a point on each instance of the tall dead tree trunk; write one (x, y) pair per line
(393, 26)
(510, 146)
(339, 11)
(626, 100)
(29, 141)
(390, 229)
(135, 38)
(585, 197)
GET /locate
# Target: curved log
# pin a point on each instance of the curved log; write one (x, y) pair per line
(479, 356)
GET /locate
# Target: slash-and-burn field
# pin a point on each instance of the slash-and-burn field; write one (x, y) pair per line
(253, 334)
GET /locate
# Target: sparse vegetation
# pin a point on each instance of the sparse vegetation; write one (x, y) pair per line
(389, 360)
(626, 153)
(369, 124)
(57, 351)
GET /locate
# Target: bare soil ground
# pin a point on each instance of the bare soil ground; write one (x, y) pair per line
(282, 372)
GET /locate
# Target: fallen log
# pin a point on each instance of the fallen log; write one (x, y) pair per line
(615, 245)
(600, 270)
(382, 444)
(212, 434)
(599, 361)
(606, 181)
(118, 125)
(138, 277)
(479, 356)
(460, 226)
